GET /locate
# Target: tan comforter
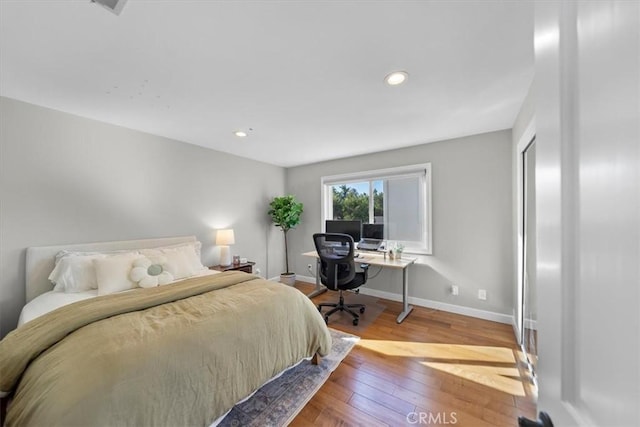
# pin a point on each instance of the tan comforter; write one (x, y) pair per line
(176, 355)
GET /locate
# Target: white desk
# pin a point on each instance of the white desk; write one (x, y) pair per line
(377, 259)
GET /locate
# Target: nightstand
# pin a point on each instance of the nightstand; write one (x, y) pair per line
(247, 267)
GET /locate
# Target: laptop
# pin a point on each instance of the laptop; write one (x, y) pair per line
(372, 237)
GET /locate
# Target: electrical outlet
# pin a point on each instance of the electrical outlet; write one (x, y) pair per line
(482, 294)
(257, 272)
(454, 290)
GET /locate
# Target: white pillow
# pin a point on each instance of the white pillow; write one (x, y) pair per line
(75, 273)
(65, 253)
(197, 247)
(183, 259)
(192, 254)
(112, 272)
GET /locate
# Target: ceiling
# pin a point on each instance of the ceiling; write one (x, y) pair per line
(305, 76)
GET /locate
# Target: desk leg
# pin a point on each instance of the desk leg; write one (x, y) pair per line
(320, 288)
(406, 309)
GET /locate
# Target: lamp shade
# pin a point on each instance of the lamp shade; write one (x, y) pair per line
(225, 237)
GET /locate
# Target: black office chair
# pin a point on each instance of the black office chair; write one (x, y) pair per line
(338, 270)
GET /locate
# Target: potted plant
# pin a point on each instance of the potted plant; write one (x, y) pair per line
(285, 212)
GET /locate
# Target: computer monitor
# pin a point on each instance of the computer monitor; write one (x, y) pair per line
(350, 227)
(373, 231)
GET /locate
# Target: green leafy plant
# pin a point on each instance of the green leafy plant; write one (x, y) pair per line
(285, 212)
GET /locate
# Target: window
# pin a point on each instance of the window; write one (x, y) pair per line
(399, 198)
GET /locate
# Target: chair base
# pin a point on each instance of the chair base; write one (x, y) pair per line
(341, 306)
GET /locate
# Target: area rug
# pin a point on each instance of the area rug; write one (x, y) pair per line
(278, 402)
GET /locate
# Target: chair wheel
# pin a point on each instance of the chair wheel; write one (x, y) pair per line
(355, 322)
(326, 319)
(361, 310)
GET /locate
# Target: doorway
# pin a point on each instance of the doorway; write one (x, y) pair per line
(528, 338)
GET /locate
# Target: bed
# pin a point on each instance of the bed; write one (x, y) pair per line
(178, 354)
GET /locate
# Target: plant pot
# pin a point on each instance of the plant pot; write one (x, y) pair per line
(288, 278)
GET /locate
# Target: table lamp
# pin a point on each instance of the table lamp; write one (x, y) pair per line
(224, 238)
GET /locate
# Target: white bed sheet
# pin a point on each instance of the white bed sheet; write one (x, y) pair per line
(49, 301)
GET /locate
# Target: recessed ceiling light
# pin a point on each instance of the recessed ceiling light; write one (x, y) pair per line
(240, 133)
(395, 78)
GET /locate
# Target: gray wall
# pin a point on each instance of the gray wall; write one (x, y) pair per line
(472, 218)
(66, 179)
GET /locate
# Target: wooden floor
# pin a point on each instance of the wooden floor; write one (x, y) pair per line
(436, 368)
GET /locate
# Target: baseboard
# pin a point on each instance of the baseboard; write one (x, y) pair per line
(450, 308)
(531, 324)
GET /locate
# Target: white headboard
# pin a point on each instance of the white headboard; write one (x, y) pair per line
(41, 260)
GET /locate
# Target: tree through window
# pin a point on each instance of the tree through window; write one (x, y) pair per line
(362, 200)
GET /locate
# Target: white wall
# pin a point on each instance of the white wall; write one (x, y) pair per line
(67, 179)
(525, 115)
(472, 219)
